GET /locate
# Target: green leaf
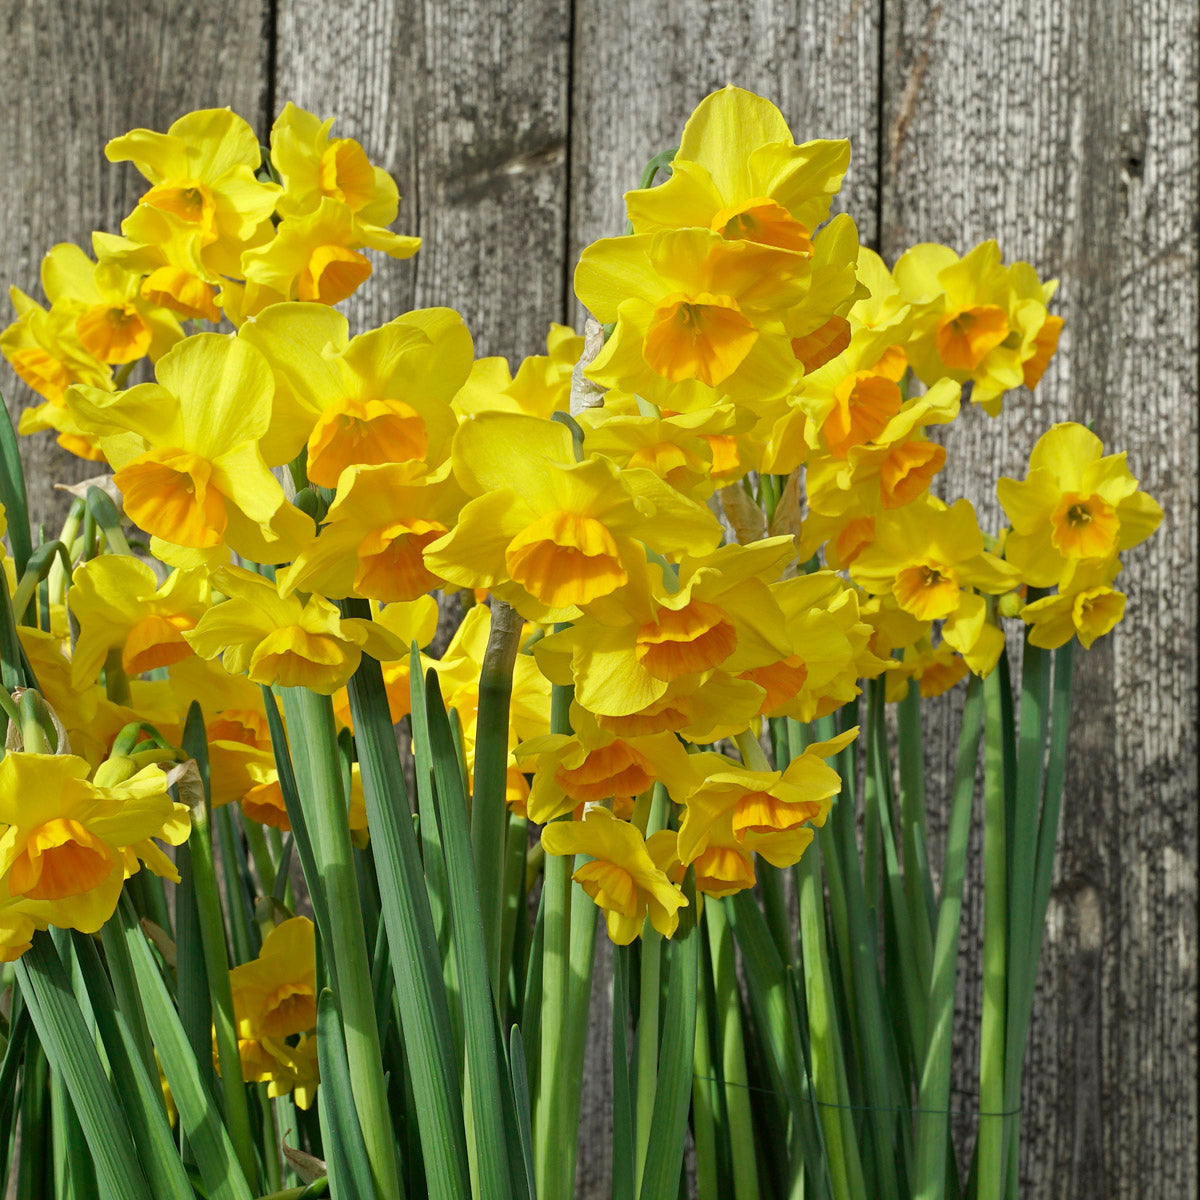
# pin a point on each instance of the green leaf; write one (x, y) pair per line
(199, 1117)
(420, 989)
(664, 1157)
(341, 1134)
(479, 1016)
(72, 1054)
(216, 957)
(933, 1120)
(324, 805)
(126, 1042)
(36, 569)
(12, 492)
(623, 1164)
(520, 1094)
(489, 809)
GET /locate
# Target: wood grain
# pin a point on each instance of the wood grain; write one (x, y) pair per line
(1069, 132)
(466, 104)
(77, 73)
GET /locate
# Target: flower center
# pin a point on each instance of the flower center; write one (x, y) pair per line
(614, 770)
(929, 592)
(682, 641)
(169, 494)
(611, 887)
(704, 337)
(565, 559)
(1084, 526)
(61, 858)
(355, 432)
(965, 338)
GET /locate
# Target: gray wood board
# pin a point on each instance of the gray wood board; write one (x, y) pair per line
(1069, 133)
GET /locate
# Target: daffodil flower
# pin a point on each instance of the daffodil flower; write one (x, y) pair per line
(621, 877)
(185, 452)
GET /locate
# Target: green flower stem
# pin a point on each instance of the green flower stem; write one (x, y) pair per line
(216, 961)
(550, 1098)
(828, 1070)
(647, 1034)
(728, 1014)
(918, 883)
(705, 1084)
(264, 863)
(1031, 748)
(990, 1146)
(914, 942)
(550, 1095)
(513, 900)
(489, 811)
(319, 776)
(933, 1120)
(579, 993)
(1049, 713)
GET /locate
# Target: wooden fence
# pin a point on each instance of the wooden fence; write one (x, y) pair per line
(1066, 129)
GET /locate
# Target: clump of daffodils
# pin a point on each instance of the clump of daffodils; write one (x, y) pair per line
(721, 511)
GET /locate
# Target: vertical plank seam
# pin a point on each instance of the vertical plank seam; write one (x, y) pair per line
(271, 68)
(880, 113)
(569, 142)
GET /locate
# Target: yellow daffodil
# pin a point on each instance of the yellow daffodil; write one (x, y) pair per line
(829, 649)
(202, 171)
(677, 448)
(1086, 607)
(541, 386)
(621, 877)
(936, 670)
(589, 766)
(1075, 505)
(169, 254)
(377, 529)
(316, 257)
(313, 165)
(381, 397)
(739, 172)
(43, 348)
(275, 1007)
(277, 991)
(749, 809)
(977, 320)
(925, 555)
(565, 535)
(697, 317)
(719, 614)
(186, 455)
(114, 322)
(284, 641)
(119, 605)
(63, 838)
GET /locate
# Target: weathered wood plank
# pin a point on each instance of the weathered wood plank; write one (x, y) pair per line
(465, 103)
(1069, 133)
(77, 73)
(638, 71)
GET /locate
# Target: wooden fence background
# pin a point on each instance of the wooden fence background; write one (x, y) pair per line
(1066, 129)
